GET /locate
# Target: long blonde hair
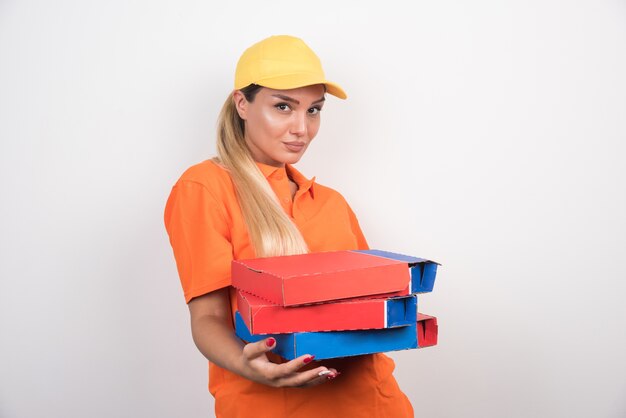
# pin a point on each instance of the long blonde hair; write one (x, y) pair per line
(270, 229)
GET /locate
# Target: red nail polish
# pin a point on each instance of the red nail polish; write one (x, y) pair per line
(309, 359)
(331, 376)
(270, 342)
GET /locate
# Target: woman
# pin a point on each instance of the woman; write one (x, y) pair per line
(250, 202)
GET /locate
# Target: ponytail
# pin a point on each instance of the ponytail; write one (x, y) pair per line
(271, 231)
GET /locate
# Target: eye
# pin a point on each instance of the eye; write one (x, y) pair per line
(315, 110)
(283, 107)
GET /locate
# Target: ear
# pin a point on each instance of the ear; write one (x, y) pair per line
(241, 104)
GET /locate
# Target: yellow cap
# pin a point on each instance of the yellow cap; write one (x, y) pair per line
(282, 62)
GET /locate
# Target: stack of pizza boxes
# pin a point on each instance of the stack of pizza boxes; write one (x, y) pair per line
(335, 304)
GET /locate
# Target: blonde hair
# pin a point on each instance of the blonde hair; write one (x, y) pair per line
(271, 231)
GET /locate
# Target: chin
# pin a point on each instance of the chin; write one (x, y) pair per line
(291, 159)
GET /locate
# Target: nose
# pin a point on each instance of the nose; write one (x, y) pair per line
(299, 124)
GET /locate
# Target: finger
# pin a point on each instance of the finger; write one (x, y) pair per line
(329, 374)
(334, 375)
(296, 364)
(309, 377)
(254, 350)
(323, 377)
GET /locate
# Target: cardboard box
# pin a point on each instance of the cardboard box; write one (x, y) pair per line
(320, 277)
(422, 271)
(262, 317)
(325, 345)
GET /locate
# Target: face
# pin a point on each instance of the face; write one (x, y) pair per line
(280, 124)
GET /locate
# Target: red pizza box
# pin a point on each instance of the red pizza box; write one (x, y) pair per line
(263, 317)
(320, 277)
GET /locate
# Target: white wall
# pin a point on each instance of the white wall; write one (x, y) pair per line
(487, 135)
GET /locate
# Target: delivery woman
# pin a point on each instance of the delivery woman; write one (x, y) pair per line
(250, 202)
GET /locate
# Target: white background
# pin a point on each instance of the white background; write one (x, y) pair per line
(486, 135)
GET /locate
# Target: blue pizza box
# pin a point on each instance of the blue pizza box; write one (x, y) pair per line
(423, 271)
(333, 344)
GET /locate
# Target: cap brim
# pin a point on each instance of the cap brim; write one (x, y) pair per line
(335, 90)
(294, 81)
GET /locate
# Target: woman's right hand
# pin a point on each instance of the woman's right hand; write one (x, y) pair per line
(258, 368)
(212, 330)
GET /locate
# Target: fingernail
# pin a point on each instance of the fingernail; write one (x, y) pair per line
(309, 359)
(270, 341)
(331, 376)
(324, 372)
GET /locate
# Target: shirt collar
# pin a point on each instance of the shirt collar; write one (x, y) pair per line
(303, 183)
(269, 170)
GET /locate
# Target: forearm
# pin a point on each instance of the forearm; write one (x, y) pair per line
(212, 331)
(216, 340)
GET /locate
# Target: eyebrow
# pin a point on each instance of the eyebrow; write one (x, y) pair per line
(292, 100)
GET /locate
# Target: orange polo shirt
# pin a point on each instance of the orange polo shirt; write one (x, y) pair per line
(207, 231)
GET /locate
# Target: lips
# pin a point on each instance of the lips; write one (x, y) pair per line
(295, 146)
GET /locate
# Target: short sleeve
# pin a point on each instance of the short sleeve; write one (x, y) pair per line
(199, 233)
(356, 229)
